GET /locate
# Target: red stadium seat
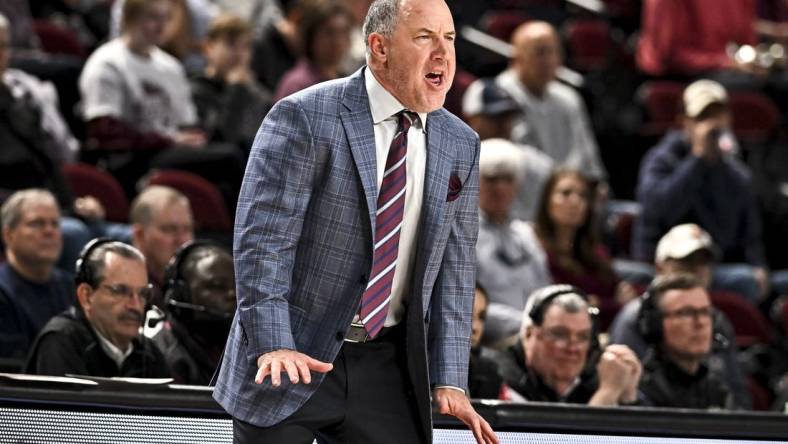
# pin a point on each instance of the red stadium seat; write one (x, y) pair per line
(87, 180)
(662, 103)
(755, 116)
(208, 206)
(749, 324)
(501, 24)
(622, 8)
(589, 44)
(56, 39)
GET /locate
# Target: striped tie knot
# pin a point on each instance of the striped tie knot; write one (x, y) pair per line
(406, 119)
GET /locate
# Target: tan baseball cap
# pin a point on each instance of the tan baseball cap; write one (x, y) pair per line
(702, 93)
(683, 240)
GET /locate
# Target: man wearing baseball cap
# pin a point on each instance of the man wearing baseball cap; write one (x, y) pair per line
(687, 248)
(491, 112)
(693, 176)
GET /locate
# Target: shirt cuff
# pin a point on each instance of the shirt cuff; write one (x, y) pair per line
(450, 387)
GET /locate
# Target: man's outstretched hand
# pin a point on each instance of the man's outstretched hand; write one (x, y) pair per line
(455, 403)
(298, 367)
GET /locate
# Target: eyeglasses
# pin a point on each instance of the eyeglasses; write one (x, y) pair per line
(563, 337)
(119, 291)
(688, 313)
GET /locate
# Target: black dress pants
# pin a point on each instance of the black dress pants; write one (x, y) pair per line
(367, 398)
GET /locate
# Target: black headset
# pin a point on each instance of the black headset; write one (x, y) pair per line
(649, 323)
(545, 295)
(83, 273)
(177, 296)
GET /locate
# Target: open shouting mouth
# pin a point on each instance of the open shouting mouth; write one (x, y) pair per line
(435, 78)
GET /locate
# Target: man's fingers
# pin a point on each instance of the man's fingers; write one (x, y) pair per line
(292, 371)
(489, 434)
(319, 366)
(303, 369)
(261, 373)
(276, 369)
(477, 431)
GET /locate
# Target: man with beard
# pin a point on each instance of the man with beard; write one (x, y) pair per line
(99, 336)
(199, 294)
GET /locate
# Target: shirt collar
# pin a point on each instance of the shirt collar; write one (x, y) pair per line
(382, 104)
(115, 353)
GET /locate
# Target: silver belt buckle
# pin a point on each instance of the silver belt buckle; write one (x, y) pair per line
(356, 333)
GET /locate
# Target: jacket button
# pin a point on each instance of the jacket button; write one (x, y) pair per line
(340, 336)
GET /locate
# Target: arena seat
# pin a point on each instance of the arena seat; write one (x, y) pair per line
(208, 206)
(87, 180)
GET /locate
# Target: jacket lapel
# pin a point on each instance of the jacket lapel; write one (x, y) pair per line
(436, 184)
(357, 121)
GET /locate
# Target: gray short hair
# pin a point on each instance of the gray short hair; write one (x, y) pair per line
(146, 205)
(381, 17)
(569, 302)
(97, 260)
(11, 211)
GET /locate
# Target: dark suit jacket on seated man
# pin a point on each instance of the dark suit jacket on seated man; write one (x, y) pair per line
(101, 335)
(312, 250)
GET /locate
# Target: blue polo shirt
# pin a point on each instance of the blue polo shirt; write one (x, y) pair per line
(26, 306)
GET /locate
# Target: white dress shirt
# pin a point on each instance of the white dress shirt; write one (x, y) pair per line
(113, 351)
(384, 108)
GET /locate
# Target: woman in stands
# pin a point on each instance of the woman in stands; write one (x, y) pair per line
(565, 226)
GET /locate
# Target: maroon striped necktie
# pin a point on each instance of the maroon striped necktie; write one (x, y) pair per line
(388, 225)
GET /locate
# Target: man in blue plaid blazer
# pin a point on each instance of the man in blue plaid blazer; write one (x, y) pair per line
(304, 252)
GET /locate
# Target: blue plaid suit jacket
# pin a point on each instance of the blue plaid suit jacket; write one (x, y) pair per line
(303, 247)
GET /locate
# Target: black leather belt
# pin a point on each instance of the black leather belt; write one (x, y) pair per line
(356, 333)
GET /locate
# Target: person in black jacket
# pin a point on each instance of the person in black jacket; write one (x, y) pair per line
(199, 296)
(100, 336)
(230, 102)
(676, 318)
(558, 358)
(484, 381)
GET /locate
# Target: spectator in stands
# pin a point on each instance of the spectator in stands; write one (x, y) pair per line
(554, 117)
(162, 222)
(687, 248)
(690, 176)
(136, 97)
(556, 358)
(690, 37)
(490, 111)
(324, 34)
(676, 319)
(230, 103)
(199, 294)
(277, 48)
(575, 255)
(186, 26)
(100, 336)
(484, 381)
(32, 290)
(510, 261)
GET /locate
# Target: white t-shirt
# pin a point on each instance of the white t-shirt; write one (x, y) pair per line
(151, 93)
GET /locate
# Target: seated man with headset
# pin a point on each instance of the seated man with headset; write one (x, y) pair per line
(100, 335)
(199, 297)
(558, 358)
(676, 319)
